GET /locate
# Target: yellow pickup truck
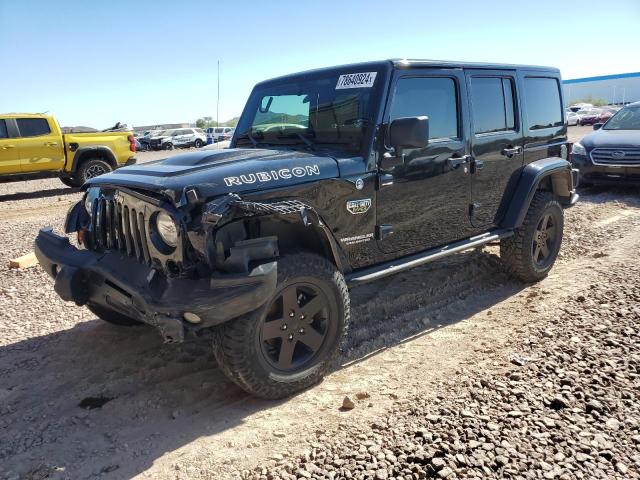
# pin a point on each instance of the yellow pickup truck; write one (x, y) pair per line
(33, 146)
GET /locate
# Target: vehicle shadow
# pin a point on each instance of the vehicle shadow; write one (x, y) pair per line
(53, 192)
(143, 398)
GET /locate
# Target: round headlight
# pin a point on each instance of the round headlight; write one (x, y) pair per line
(167, 229)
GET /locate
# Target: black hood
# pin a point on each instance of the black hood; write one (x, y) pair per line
(223, 171)
(611, 139)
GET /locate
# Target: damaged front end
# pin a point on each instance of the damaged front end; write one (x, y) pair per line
(209, 276)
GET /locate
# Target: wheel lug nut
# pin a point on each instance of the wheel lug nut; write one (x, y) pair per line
(291, 314)
(290, 336)
(302, 317)
(284, 327)
(301, 330)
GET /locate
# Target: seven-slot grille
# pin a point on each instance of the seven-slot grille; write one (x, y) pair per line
(616, 156)
(118, 226)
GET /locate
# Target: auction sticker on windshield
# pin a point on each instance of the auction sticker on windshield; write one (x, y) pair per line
(356, 80)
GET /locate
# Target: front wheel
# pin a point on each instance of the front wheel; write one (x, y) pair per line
(93, 168)
(198, 143)
(168, 146)
(292, 341)
(531, 252)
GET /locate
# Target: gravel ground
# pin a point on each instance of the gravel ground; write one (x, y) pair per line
(566, 407)
(445, 364)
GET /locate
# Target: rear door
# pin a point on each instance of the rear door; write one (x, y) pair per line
(424, 201)
(496, 141)
(9, 153)
(40, 146)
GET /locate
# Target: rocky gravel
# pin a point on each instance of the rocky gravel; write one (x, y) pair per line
(565, 406)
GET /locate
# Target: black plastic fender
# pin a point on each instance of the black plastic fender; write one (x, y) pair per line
(532, 175)
(90, 152)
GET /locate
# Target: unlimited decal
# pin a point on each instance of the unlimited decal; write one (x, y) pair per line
(272, 175)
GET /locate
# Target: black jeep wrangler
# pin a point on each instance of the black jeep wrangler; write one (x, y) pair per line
(334, 177)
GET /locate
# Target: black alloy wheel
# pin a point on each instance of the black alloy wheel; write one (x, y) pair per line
(544, 240)
(294, 339)
(295, 327)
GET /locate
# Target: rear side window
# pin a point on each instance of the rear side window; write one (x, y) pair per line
(218, 130)
(33, 127)
(3, 129)
(493, 105)
(544, 108)
(433, 97)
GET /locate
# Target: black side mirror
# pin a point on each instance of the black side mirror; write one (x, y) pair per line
(597, 126)
(409, 132)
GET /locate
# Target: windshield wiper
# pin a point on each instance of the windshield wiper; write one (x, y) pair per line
(308, 142)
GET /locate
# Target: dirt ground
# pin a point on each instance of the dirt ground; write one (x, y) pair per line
(83, 399)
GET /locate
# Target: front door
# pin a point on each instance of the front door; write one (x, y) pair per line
(40, 148)
(9, 154)
(496, 142)
(424, 201)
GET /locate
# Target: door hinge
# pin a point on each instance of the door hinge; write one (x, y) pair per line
(473, 207)
(383, 231)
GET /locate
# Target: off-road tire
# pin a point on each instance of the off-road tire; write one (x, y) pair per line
(517, 251)
(237, 343)
(198, 143)
(73, 182)
(90, 168)
(113, 317)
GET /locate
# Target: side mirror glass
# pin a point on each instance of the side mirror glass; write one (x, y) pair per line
(597, 126)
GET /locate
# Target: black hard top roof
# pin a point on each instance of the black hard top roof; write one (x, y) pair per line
(403, 63)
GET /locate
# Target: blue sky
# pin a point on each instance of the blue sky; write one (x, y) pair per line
(146, 62)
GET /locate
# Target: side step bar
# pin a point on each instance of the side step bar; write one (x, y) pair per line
(398, 265)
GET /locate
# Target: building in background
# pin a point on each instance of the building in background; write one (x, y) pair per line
(613, 89)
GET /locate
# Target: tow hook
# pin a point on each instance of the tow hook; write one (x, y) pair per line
(171, 328)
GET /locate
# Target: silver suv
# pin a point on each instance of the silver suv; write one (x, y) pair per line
(183, 137)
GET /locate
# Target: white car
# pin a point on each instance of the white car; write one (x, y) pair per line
(572, 118)
(216, 134)
(182, 137)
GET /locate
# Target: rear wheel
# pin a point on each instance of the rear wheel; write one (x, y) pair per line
(531, 252)
(292, 341)
(93, 167)
(111, 316)
(168, 146)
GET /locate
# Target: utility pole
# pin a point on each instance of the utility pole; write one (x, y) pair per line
(218, 100)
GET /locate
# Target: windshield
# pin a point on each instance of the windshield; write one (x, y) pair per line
(332, 110)
(626, 119)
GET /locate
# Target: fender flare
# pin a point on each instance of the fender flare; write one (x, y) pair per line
(555, 169)
(88, 151)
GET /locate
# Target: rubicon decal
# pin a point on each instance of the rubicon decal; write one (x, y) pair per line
(272, 175)
(357, 207)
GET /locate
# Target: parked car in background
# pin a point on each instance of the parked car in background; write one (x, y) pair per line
(611, 154)
(605, 114)
(580, 106)
(572, 118)
(33, 146)
(178, 138)
(588, 116)
(217, 134)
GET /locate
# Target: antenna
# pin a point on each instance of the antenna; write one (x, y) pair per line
(218, 100)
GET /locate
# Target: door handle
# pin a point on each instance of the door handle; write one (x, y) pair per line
(455, 162)
(51, 144)
(511, 151)
(7, 147)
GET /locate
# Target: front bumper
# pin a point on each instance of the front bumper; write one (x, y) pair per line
(114, 281)
(591, 173)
